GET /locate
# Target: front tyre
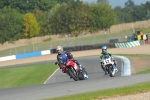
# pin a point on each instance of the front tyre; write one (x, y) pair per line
(73, 73)
(110, 71)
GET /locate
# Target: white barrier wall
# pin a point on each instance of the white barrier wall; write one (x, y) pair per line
(12, 57)
(45, 52)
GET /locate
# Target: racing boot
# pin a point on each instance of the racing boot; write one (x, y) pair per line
(102, 67)
(115, 63)
(115, 68)
(105, 71)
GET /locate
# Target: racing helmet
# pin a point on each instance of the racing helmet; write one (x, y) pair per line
(59, 48)
(104, 48)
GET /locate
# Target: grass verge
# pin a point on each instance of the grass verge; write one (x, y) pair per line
(144, 72)
(107, 93)
(144, 56)
(134, 55)
(25, 76)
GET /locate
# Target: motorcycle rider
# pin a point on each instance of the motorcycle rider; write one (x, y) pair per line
(104, 51)
(62, 56)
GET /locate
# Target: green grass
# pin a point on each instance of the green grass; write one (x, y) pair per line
(146, 71)
(141, 87)
(25, 76)
(134, 55)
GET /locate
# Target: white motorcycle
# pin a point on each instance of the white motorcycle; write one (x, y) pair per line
(108, 65)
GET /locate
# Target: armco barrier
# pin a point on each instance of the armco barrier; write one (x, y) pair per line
(127, 44)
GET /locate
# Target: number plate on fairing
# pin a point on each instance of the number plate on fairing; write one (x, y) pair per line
(107, 61)
(75, 66)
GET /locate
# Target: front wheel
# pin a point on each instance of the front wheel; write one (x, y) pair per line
(85, 75)
(110, 71)
(73, 73)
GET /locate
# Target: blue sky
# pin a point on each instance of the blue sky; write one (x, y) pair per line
(114, 3)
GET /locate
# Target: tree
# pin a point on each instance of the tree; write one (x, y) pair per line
(69, 18)
(64, 1)
(43, 21)
(25, 6)
(139, 13)
(31, 26)
(45, 5)
(148, 15)
(103, 16)
(78, 17)
(130, 3)
(57, 18)
(11, 24)
(103, 1)
(128, 14)
(146, 10)
(119, 14)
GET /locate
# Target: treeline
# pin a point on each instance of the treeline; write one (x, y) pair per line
(30, 18)
(131, 12)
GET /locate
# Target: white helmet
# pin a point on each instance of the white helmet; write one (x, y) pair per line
(59, 48)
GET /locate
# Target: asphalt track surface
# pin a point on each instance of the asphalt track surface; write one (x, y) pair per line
(61, 85)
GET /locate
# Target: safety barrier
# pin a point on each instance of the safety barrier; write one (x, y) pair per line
(26, 55)
(86, 47)
(127, 44)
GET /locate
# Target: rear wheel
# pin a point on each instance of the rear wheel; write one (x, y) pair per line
(73, 73)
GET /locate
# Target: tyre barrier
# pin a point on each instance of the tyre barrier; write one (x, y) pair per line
(127, 44)
(85, 47)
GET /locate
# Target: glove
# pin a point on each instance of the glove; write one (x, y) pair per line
(61, 67)
(56, 63)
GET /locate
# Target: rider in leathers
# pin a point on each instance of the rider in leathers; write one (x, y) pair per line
(104, 51)
(63, 56)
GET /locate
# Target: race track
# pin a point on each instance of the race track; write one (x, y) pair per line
(60, 84)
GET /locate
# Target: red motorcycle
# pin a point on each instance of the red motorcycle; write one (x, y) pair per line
(74, 71)
(71, 69)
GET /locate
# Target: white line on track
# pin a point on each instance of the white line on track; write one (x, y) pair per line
(51, 75)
